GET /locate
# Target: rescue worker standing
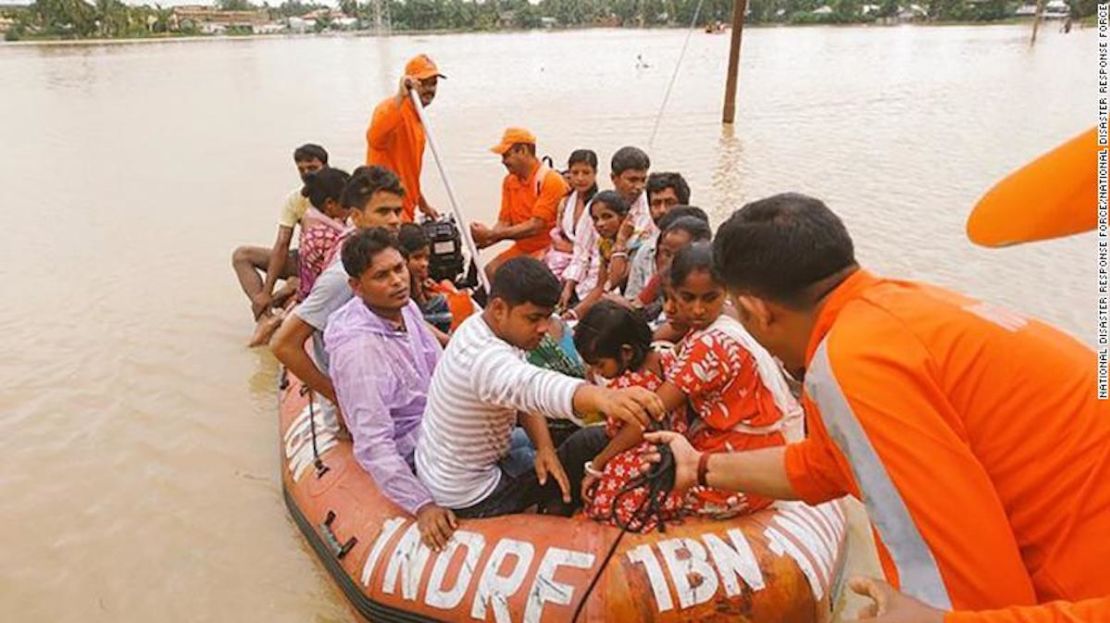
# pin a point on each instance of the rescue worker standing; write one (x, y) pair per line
(973, 435)
(395, 138)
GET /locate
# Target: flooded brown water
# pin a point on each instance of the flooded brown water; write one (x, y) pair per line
(139, 450)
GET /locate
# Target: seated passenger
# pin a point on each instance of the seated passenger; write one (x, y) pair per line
(483, 384)
(665, 191)
(573, 253)
(678, 233)
(628, 170)
(322, 226)
(373, 197)
(278, 261)
(736, 389)
(382, 356)
(608, 211)
(416, 247)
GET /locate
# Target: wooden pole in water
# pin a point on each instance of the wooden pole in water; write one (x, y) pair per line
(1037, 21)
(732, 80)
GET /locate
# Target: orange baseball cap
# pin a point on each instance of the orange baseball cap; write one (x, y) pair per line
(1052, 196)
(513, 136)
(421, 67)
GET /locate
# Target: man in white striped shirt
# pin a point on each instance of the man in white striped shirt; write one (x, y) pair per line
(483, 384)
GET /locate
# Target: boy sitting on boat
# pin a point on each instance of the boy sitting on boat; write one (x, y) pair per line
(483, 384)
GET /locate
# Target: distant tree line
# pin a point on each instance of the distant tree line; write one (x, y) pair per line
(113, 18)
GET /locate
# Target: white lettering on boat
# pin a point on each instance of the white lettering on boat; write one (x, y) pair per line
(409, 558)
(450, 598)
(644, 556)
(546, 589)
(783, 546)
(298, 439)
(389, 528)
(698, 567)
(495, 588)
(735, 561)
(694, 579)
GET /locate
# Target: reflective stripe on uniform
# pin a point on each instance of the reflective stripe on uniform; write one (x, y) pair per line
(917, 568)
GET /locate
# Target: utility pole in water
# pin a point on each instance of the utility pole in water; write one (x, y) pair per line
(1037, 21)
(731, 81)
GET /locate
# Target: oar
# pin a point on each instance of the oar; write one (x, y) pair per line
(464, 226)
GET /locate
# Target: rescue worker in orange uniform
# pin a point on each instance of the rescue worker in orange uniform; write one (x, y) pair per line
(972, 434)
(395, 137)
(530, 197)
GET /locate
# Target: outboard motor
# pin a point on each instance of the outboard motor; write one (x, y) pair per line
(445, 258)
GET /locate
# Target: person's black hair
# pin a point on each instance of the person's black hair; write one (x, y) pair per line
(657, 182)
(628, 158)
(525, 280)
(310, 151)
(586, 157)
(412, 238)
(362, 247)
(698, 229)
(612, 200)
(680, 211)
(691, 259)
(606, 328)
(366, 181)
(780, 246)
(327, 183)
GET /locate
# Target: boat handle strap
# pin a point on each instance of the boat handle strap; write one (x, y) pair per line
(339, 550)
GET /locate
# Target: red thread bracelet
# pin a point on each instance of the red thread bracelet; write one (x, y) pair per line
(703, 469)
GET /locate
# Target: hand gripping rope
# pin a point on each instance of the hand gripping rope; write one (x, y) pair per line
(659, 481)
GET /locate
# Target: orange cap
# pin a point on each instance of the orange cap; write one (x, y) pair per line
(421, 67)
(513, 136)
(1052, 196)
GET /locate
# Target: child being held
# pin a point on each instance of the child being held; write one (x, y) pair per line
(616, 343)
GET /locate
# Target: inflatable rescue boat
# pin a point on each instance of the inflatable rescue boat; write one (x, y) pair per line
(781, 565)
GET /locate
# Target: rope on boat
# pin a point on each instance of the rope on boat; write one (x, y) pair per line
(464, 227)
(659, 481)
(321, 469)
(674, 76)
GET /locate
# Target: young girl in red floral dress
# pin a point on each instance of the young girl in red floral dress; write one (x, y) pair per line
(616, 343)
(735, 388)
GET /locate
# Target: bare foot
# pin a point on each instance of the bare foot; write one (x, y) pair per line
(265, 329)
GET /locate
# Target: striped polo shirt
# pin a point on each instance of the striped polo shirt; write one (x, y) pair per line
(479, 385)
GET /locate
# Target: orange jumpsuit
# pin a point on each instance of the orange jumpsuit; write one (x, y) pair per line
(975, 439)
(395, 140)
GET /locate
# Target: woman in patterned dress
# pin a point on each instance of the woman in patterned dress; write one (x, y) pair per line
(735, 388)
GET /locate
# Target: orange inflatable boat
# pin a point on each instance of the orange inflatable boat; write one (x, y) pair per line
(779, 565)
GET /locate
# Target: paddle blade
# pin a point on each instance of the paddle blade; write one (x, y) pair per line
(1052, 196)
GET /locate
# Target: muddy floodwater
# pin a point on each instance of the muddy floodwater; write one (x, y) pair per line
(138, 443)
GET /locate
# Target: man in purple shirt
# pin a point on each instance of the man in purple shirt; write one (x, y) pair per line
(382, 356)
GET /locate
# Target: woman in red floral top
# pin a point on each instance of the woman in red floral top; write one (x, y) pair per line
(322, 225)
(616, 344)
(734, 388)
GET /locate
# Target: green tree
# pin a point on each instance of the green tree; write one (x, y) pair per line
(234, 5)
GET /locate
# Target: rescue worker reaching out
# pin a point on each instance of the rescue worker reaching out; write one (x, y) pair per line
(972, 434)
